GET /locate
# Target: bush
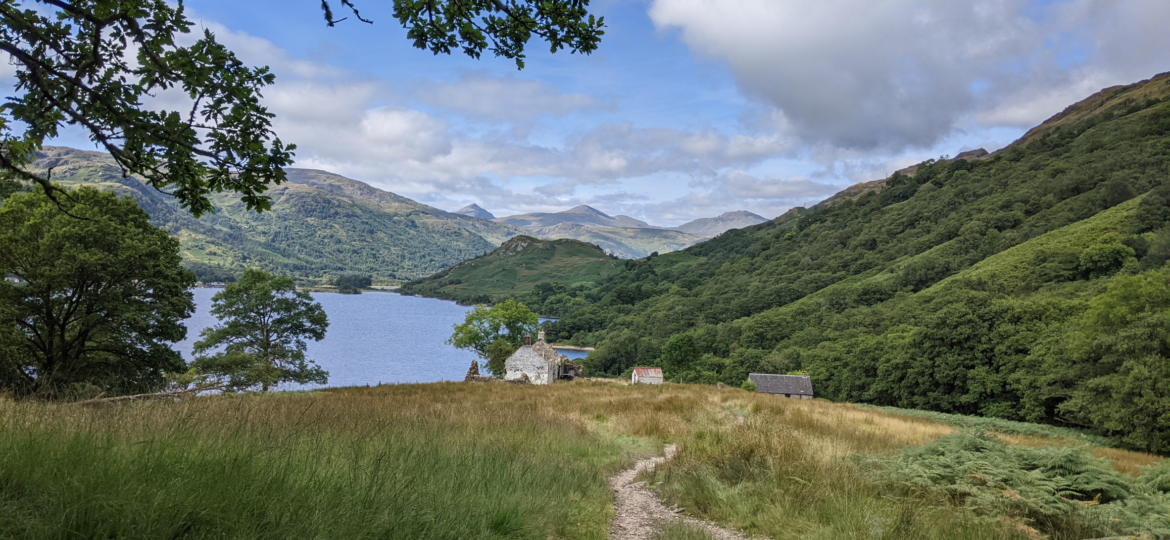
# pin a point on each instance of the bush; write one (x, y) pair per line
(748, 385)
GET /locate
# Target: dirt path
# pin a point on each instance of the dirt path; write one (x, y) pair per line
(638, 513)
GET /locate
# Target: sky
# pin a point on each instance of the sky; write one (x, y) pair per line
(689, 108)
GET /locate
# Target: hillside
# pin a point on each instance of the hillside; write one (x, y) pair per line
(622, 236)
(583, 215)
(1027, 284)
(622, 242)
(720, 224)
(321, 224)
(521, 264)
(475, 210)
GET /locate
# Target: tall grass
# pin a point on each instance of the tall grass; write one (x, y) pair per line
(459, 460)
(389, 464)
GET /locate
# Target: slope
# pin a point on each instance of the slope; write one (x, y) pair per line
(623, 242)
(848, 292)
(584, 215)
(320, 225)
(521, 264)
(720, 224)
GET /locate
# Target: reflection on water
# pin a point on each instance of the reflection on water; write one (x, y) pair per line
(372, 338)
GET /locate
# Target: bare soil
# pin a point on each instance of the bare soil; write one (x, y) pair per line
(638, 514)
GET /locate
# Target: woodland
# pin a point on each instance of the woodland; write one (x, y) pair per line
(1027, 285)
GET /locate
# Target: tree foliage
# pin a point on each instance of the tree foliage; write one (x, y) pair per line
(94, 301)
(98, 65)
(962, 288)
(350, 284)
(261, 338)
(490, 331)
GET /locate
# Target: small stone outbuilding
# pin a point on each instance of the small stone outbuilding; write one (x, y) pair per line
(539, 362)
(646, 375)
(798, 386)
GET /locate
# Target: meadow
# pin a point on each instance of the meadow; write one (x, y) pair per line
(457, 460)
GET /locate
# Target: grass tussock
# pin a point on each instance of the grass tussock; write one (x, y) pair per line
(499, 461)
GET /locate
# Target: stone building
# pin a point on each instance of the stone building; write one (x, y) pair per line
(799, 386)
(539, 362)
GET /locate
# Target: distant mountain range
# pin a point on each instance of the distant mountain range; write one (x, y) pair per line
(323, 225)
(623, 236)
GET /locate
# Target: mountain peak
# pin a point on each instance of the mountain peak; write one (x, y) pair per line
(722, 223)
(586, 209)
(475, 210)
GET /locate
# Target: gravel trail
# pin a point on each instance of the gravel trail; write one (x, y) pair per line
(638, 514)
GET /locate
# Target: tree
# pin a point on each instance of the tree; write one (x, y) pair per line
(94, 64)
(264, 322)
(1118, 361)
(91, 301)
(489, 331)
(351, 284)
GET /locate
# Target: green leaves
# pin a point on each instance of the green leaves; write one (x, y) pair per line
(95, 64)
(264, 324)
(94, 301)
(506, 322)
(503, 27)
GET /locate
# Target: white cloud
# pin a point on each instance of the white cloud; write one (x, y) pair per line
(746, 186)
(883, 76)
(504, 99)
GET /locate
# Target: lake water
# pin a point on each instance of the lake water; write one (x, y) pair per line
(372, 338)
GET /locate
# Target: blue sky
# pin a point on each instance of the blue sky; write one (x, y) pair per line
(690, 108)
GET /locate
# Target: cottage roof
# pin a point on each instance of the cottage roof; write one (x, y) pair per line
(526, 353)
(648, 372)
(545, 350)
(795, 385)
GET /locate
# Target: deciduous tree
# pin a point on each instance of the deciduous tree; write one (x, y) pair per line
(94, 301)
(261, 338)
(488, 330)
(96, 65)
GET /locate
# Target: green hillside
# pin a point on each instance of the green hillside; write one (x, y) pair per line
(1026, 285)
(320, 225)
(521, 265)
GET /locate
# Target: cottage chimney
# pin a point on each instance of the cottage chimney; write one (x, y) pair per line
(540, 335)
(527, 339)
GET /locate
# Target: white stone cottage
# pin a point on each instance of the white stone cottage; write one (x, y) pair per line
(538, 361)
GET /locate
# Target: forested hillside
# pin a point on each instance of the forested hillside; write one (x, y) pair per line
(1029, 284)
(320, 225)
(521, 265)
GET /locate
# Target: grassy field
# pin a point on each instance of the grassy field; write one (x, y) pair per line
(458, 460)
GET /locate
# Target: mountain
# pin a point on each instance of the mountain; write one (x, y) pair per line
(625, 236)
(1027, 284)
(583, 215)
(624, 242)
(520, 264)
(721, 223)
(321, 224)
(475, 211)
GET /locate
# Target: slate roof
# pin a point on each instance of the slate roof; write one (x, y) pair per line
(527, 353)
(546, 351)
(648, 372)
(795, 385)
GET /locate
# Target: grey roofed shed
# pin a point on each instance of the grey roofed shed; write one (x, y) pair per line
(789, 385)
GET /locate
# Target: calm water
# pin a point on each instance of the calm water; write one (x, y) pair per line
(372, 338)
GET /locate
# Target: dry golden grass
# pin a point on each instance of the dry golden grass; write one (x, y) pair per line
(527, 461)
